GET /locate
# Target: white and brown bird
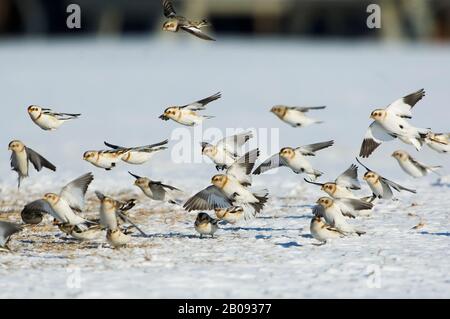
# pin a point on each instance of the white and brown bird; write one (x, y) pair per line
(206, 225)
(413, 167)
(381, 187)
(226, 151)
(47, 119)
(322, 231)
(7, 229)
(439, 142)
(295, 159)
(177, 22)
(139, 155)
(107, 159)
(391, 122)
(21, 157)
(234, 214)
(117, 239)
(65, 205)
(335, 214)
(157, 190)
(295, 116)
(187, 114)
(89, 233)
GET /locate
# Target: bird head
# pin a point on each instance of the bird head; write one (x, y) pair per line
(371, 177)
(34, 110)
(279, 110)
(325, 202)
(203, 218)
(170, 25)
(16, 146)
(209, 150)
(171, 113)
(378, 114)
(400, 155)
(89, 155)
(329, 188)
(142, 182)
(51, 198)
(219, 180)
(287, 152)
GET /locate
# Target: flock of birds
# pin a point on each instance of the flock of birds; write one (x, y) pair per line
(230, 195)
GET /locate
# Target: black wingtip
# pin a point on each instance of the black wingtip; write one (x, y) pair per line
(135, 176)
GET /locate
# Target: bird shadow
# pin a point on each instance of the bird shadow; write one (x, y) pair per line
(289, 244)
(435, 234)
(306, 236)
(171, 235)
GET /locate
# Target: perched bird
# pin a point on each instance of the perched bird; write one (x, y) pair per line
(233, 214)
(440, 142)
(83, 234)
(187, 115)
(176, 22)
(63, 207)
(156, 190)
(104, 159)
(413, 167)
(112, 212)
(295, 116)
(295, 159)
(206, 225)
(141, 154)
(48, 120)
(343, 185)
(6, 231)
(391, 123)
(380, 186)
(226, 151)
(116, 238)
(22, 155)
(334, 213)
(323, 232)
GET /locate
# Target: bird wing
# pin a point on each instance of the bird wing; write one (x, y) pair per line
(375, 135)
(318, 210)
(272, 162)
(305, 109)
(6, 230)
(397, 187)
(169, 11)
(354, 204)
(241, 169)
(14, 162)
(418, 165)
(201, 104)
(208, 199)
(39, 161)
(349, 178)
(402, 107)
(39, 206)
(234, 142)
(309, 150)
(137, 148)
(74, 192)
(197, 32)
(159, 189)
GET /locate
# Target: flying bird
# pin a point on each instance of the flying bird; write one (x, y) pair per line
(140, 154)
(187, 114)
(156, 190)
(413, 167)
(104, 159)
(380, 186)
(295, 159)
(439, 142)
(177, 22)
(295, 116)
(20, 158)
(391, 123)
(48, 120)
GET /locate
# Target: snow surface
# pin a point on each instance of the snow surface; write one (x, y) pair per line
(121, 87)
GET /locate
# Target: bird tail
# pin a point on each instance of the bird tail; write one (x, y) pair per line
(315, 174)
(208, 117)
(262, 198)
(435, 169)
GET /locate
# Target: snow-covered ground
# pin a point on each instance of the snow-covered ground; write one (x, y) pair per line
(121, 87)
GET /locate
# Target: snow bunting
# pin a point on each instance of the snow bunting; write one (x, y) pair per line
(343, 185)
(48, 120)
(187, 115)
(391, 123)
(295, 116)
(323, 232)
(156, 190)
(104, 159)
(176, 22)
(440, 142)
(226, 151)
(206, 225)
(295, 159)
(233, 214)
(83, 234)
(62, 207)
(380, 186)
(334, 214)
(6, 231)
(22, 155)
(139, 155)
(116, 238)
(411, 166)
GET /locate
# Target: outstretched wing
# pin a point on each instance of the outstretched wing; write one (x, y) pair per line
(197, 32)
(39, 161)
(349, 178)
(169, 11)
(318, 210)
(6, 230)
(201, 104)
(233, 143)
(241, 170)
(272, 162)
(159, 189)
(33, 211)
(74, 192)
(309, 150)
(375, 135)
(305, 109)
(208, 199)
(402, 107)
(396, 186)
